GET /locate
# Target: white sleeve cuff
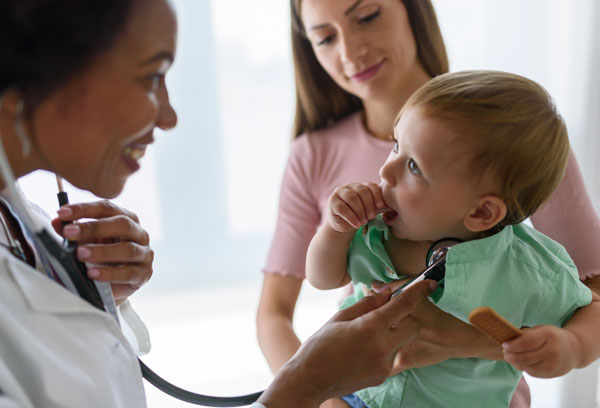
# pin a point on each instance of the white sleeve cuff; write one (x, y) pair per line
(257, 405)
(134, 329)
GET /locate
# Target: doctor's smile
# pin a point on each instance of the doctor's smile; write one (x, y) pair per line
(132, 153)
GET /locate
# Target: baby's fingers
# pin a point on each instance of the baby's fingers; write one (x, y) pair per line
(531, 339)
(547, 362)
(341, 214)
(380, 205)
(371, 197)
(526, 359)
(543, 351)
(347, 204)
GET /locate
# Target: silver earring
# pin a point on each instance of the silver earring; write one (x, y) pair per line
(21, 131)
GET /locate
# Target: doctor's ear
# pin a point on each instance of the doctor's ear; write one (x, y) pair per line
(489, 212)
(10, 102)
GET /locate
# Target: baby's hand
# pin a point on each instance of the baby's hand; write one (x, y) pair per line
(543, 351)
(353, 205)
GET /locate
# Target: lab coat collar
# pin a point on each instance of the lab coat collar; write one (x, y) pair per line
(44, 295)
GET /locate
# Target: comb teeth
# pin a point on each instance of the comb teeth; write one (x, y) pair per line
(493, 325)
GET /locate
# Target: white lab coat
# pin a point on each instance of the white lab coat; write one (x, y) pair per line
(56, 350)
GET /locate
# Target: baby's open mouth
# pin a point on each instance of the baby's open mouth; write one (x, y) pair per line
(389, 216)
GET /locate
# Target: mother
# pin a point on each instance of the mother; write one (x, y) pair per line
(82, 88)
(356, 63)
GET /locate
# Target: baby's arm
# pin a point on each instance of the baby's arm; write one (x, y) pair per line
(549, 351)
(350, 207)
(326, 258)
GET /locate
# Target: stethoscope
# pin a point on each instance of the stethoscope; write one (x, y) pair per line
(435, 262)
(64, 262)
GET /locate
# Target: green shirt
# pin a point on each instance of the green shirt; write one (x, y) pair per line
(519, 272)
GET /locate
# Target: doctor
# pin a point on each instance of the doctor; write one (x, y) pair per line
(82, 87)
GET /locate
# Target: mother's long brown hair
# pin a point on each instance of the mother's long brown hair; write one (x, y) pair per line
(320, 101)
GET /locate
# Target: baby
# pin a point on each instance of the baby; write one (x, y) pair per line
(476, 153)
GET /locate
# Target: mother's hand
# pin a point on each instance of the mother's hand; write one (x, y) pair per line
(112, 240)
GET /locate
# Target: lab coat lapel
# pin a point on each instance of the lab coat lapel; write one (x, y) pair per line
(44, 295)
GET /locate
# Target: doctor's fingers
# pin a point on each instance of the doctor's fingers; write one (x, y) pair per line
(362, 307)
(384, 332)
(96, 210)
(122, 291)
(400, 307)
(111, 229)
(125, 252)
(131, 275)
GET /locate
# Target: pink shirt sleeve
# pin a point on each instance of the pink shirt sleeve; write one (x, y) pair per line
(569, 218)
(299, 215)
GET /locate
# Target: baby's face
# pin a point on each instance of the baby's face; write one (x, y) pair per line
(425, 180)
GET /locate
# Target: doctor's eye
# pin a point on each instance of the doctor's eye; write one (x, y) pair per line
(413, 168)
(152, 82)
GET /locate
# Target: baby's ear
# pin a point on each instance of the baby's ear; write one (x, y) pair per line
(489, 211)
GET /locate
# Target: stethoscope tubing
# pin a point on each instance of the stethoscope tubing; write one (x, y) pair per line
(193, 398)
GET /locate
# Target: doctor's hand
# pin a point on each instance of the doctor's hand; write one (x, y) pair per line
(112, 240)
(443, 336)
(354, 350)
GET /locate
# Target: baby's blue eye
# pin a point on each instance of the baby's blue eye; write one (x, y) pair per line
(395, 147)
(413, 168)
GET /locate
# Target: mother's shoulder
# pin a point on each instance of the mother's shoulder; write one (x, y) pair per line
(348, 127)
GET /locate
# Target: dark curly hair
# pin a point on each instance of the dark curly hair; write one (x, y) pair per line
(43, 43)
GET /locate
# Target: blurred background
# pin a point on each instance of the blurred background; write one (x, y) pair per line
(207, 191)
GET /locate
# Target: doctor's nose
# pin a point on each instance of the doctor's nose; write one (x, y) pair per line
(167, 117)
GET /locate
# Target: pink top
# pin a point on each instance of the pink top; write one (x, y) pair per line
(345, 152)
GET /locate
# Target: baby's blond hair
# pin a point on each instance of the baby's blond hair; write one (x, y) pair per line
(516, 132)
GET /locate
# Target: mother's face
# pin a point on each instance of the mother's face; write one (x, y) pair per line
(366, 46)
(93, 130)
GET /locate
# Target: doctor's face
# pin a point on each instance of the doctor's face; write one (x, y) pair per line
(94, 130)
